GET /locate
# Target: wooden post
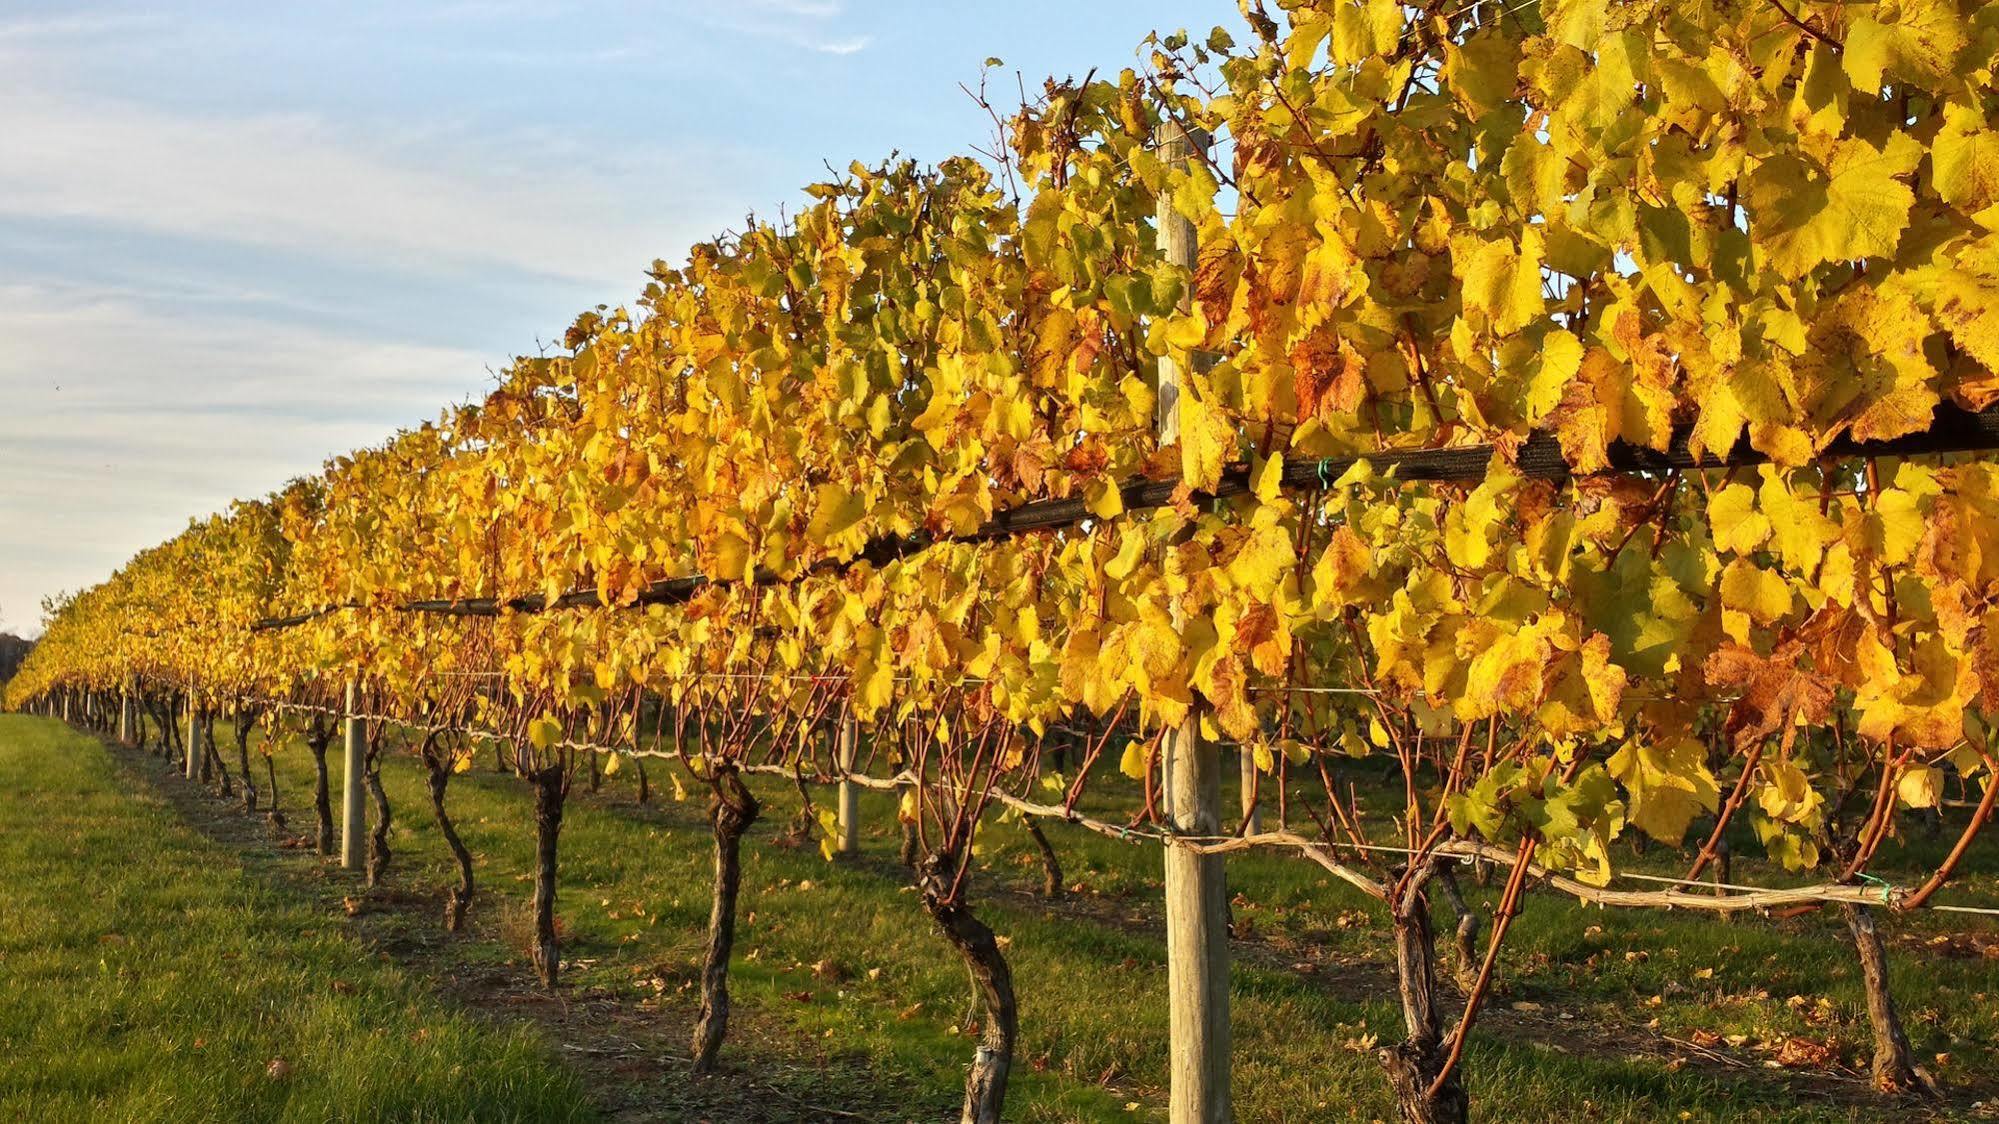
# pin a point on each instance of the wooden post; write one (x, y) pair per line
(1197, 936)
(849, 842)
(125, 716)
(194, 753)
(353, 811)
(1250, 811)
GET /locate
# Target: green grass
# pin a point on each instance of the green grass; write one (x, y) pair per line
(147, 973)
(848, 998)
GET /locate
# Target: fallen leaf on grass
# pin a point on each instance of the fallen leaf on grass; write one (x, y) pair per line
(1799, 1052)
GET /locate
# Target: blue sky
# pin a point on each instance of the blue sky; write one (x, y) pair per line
(238, 238)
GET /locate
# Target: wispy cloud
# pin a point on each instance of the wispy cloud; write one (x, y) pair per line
(806, 24)
(75, 25)
(299, 183)
(124, 417)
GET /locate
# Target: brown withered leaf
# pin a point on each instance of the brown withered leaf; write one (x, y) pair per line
(1771, 693)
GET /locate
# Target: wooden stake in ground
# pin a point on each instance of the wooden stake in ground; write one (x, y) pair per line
(353, 809)
(849, 842)
(1197, 938)
(195, 755)
(1246, 761)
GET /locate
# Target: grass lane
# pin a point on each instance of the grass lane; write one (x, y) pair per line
(149, 974)
(847, 998)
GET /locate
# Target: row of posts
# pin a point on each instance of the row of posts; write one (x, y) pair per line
(353, 806)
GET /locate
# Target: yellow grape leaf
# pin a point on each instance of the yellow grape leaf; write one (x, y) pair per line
(1377, 734)
(1922, 44)
(1896, 525)
(1337, 578)
(1365, 29)
(613, 763)
(836, 510)
(1133, 763)
(1103, 498)
(1968, 302)
(1500, 280)
(1666, 784)
(1920, 787)
(732, 557)
(1267, 481)
(1787, 794)
(1855, 208)
(1965, 158)
(544, 732)
(1482, 71)
(1131, 548)
(1561, 359)
(1800, 534)
(1749, 588)
(1737, 525)
(1207, 441)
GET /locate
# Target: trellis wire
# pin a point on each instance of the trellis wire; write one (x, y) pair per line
(1742, 898)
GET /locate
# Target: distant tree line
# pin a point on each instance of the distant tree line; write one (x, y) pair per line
(13, 649)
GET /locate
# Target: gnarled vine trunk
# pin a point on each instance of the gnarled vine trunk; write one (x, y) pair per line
(243, 765)
(272, 814)
(550, 788)
(176, 739)
(1051, 863)
(985, 1084)
(316, 740)
(1465, 955)
(1413, 1065)
(1894, 1061)
(213, 769)
(378, 839)
(459, 898)
(731, 811)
